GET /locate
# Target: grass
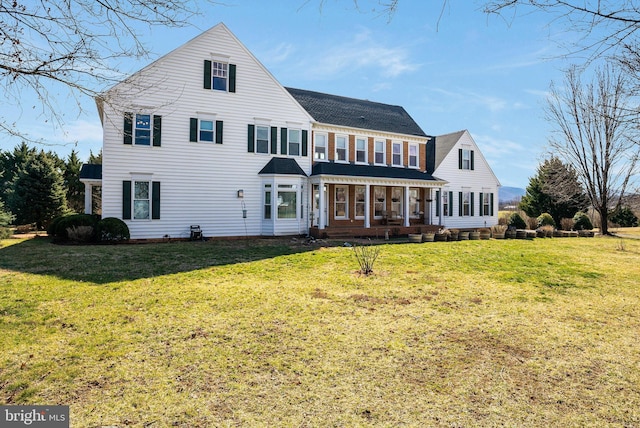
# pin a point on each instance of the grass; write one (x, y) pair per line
(274, 333)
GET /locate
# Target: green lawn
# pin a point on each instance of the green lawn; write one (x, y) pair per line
(274, 333)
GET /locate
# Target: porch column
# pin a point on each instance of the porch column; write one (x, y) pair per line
(321, 208)
(367, 206)
(87, 198)
(406, 206)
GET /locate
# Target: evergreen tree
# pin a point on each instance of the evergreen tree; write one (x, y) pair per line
(6, 218)
(11, 163)
(72, 183)
(38, 193)
(554, 189)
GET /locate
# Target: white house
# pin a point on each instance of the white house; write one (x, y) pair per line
(207, 136)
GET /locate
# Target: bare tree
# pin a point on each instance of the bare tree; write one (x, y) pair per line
(595, 135)
(72, 45)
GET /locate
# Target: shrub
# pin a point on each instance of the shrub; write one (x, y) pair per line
(65, 223)
(623, 217)
(567, 223)
(545, 219)
(112, 229)
(5, 232)
(80, 233)
(366, 256)
(516, 221)
(498, 228)
(53, 226)
(582, 221)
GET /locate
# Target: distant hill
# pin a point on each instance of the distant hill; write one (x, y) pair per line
(507, 194)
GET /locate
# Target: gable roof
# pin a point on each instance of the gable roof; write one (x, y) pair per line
(444, 144)
(355, 113)
(284, 166)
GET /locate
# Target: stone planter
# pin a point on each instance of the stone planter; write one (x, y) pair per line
(415, 237)
(474, 236)
(428, 237)
(463, 236)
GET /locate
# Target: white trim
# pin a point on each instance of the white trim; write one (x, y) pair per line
(326, 147)
(384, 152)
(396, 143)
(417, 146)
(366, 150)
(346, 148)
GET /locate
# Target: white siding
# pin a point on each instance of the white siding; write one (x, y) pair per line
(479, 180)
(199, 181)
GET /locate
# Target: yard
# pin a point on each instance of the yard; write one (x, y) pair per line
(540, 332)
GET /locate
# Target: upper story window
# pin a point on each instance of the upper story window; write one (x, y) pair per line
(320, 147)
(206, 130)
(294, 142)
(465, 159)
(379, 152)
(219, 72)
(361, 150)
(219, 75)
(262, 139)
(396, 154)
(142, 129)
(342, 151)
(413, 155)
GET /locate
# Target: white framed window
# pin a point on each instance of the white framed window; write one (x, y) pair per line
(379, 152)
(414, 152)
(380, 201)
(341, 202)
(466, 204)
(486, 204)
(294, 142)
(466, 159)
(320, 147)
(287, 201)
(262, 139)
(342, 148)
(396, 154)
(219, 74)
(141, 200)
(360, 201)
(361, 150)
(142, 130)
(414, 202)
(267, 202)
(396, 200)
(446, 205)
(206, 130)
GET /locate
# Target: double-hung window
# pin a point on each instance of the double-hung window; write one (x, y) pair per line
(262, 139)
(219, 73)
(486, 204)
(267, 201)
(445, 204)
(465, 159)
(413, 155)
(396, 200)
(342, 150)
(380, 201)
(414, 202)
(379, 152)
(466, 203)
(360, 201)
(142, 128)
(396, 154)
(342, 202)
(141, 200)
(361, 150)
(294, 142)
(320, 147)
(206, 130)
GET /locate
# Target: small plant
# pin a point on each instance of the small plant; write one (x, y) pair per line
(620, 245)
(80, 234)
(366, 256)
(516, 221)
(112, 229)
(566, 224)
(63, 224)
(5, 232)
(581, 221)
(545, 219)
(499, 229)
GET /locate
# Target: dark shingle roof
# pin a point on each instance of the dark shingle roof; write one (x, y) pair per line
(355, 113)
(283, 166)
(332, 168)
(91, 171)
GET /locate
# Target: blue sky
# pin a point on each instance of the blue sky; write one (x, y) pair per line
(451, 69)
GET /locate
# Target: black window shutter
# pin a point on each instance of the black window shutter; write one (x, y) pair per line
(232, 77)
(459, 158)
(450, 204)
(481, 211)
(157, 130)
(155, 200)
(251, 143)
(437, 203)
(283, 141)
(471, 202)
(471, 160)
(193, 129)
(128, 128)
(305, 142)
(274, 140)
(126, 200)
(218, 132)
(207, 74)
(460, 204)
(491, 202)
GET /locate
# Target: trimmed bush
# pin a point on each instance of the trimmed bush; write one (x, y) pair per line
(52, 227)
(545, 219)
(582, 221)
(516, 221)
(112, 229)
(5, 232)
(623, 217)
(62, 225)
